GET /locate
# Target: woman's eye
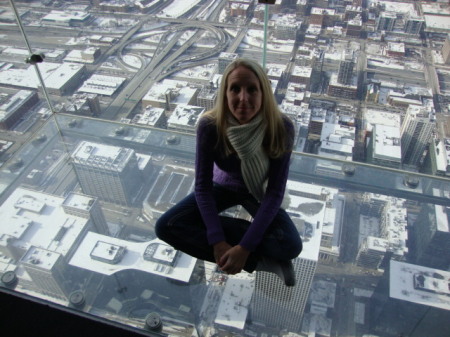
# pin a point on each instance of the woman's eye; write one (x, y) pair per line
(234, 88)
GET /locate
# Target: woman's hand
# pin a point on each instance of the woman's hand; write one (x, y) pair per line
(233, 260)
(219, 250)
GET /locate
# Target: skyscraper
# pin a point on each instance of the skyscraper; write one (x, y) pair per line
(108, 172)
(430, 237)
(345, 74)
(271, 295)
(416, 134)
(411, 300)
(225, 59)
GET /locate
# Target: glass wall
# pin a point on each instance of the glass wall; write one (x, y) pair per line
(93, 157)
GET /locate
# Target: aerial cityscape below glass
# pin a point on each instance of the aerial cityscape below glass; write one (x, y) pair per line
(99, 104)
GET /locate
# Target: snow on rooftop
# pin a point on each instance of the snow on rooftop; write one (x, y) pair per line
(302, 71)
(149, 116)
(179, 91)
(437, 22)
(310, 214)
(79, 201)
(233, 307)
(102, 84)
(177, 8)
(322, 11)
(185, 116)
(55, 75)
(387, 142)
(43, 258)
(418, 284)
(36, 219)
(435, 8)
(133, 258)
(56, 15)
(381, 117)
(107, 156)
(396, 7)
(442, 218)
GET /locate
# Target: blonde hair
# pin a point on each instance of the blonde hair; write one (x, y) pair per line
(275, 138)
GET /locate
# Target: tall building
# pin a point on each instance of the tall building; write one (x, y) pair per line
(38, 236)
(384, 147)
(446, 50)
(416, 134)
(411, 300)
(438, 158)
(110, 173)
(382, 233)
(13, 108)
(414, 25)
(345, 74)
(87, 207)
(225, 59)
(430, 237)
(386, 21)
(271, 295)
(46, 269)
(207, 97)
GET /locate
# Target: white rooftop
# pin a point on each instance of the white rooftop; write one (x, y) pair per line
(110, 157)
(45, 259)
(55, 75)
(421, 285)
(102, 84)
(133, 258)
(387, 142)
(311, 212)
(37, 219)
(442, 218)
(233, 307)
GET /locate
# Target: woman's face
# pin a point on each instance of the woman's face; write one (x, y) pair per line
(244, 95)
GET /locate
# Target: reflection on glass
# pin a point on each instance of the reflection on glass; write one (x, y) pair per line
(81, 190)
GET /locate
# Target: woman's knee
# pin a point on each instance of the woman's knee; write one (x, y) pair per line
(160, 228)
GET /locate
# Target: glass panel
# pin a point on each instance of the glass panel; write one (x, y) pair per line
(79, 196)
(100, 254)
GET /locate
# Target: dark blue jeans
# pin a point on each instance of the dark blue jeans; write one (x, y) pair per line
(183, 228)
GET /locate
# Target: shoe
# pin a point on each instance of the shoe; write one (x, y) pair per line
(288, 272)
(283, 269)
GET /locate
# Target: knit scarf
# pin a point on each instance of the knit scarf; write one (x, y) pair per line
(247, 140)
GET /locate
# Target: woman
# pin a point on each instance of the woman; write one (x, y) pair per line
(243, 151)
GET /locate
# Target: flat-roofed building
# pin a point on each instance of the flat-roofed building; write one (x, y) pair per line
(336, 89)
(384, 147)
(207, 97)
(383, 231)
(169, 93)
(446, 49)
(419, 293)
(302, 75)
(225, 59)
(39, 234)
(354, 27)
(66, 78)
(416, 134)
(68, 19)
(108, 255)
(12, 108)
(439, 157)
(430, 237)
(109, 172)
(151, 116)
(185, 118)
(270, 294)
(395, 49)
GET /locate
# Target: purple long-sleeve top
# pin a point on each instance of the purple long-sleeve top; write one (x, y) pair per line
(212, 166)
